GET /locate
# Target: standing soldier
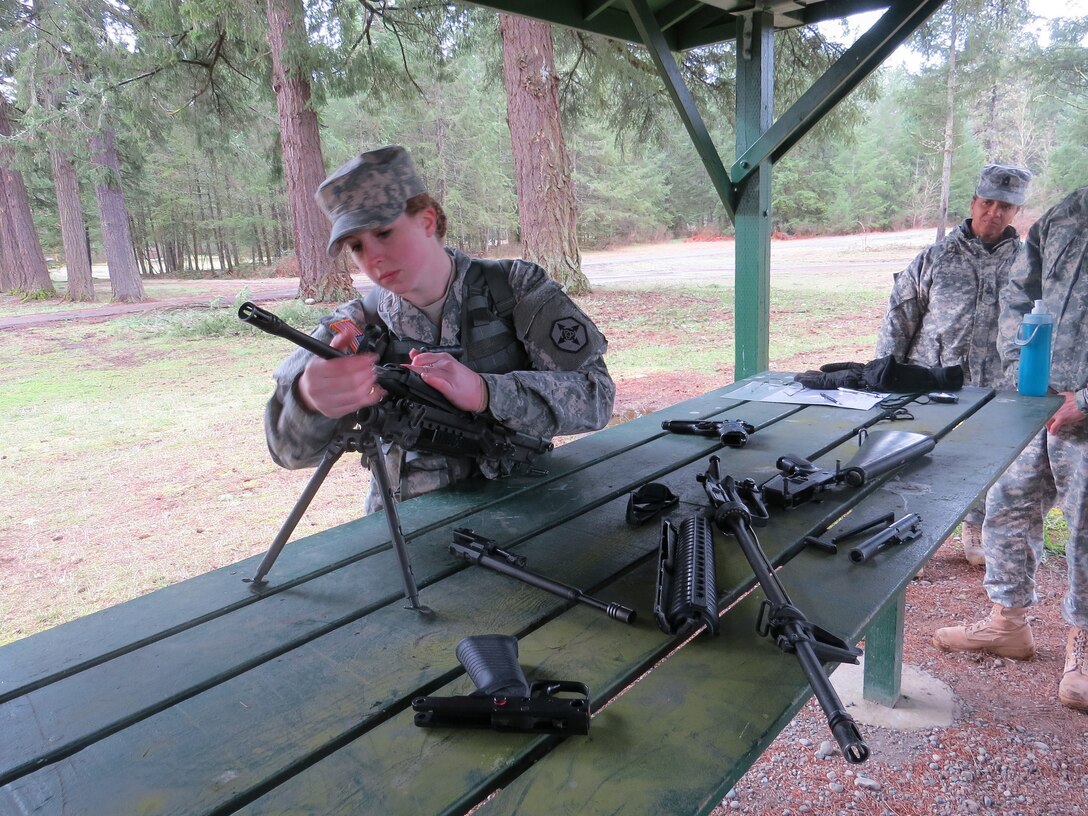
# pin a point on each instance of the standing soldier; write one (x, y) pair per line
(944, 307)
(1053, 469)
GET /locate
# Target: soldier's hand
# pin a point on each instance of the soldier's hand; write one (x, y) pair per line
(456, 382)
(342, 386)
(1066, 416)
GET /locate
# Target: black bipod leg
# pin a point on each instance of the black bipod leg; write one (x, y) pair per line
(373, 457)
(332, 455)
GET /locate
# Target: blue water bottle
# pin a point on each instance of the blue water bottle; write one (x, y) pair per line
(1033, 337)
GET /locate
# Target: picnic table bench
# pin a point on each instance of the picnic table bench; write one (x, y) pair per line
(208, 697)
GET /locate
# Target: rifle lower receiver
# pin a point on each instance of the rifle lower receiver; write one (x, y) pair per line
(504, 699)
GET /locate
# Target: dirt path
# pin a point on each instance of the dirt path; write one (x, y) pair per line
(849, 258)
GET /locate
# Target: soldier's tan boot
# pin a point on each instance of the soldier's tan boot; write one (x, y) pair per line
(971, 538)
(1073, 690)
(1005, 633)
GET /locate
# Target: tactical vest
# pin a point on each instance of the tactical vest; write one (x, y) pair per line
(488, 336)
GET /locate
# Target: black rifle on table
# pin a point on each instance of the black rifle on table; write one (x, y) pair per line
(778, 617)
(413, 416)
(504, 700)
(485, 552)
(731, 432)
(799, 481)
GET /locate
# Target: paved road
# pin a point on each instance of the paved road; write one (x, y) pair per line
(671, 262)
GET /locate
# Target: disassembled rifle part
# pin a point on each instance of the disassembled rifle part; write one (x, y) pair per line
(687, 595)
(732, 433)
(504, 700)
(485, 552)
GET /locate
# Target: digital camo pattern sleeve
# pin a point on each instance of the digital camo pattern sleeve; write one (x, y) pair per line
(907, 307)
(297, 436)
(569, 389)
(1053, 267)
(944, 307)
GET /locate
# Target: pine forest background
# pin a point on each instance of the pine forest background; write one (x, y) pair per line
(165, 123)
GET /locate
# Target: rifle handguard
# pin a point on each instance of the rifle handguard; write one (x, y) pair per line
(687, 593)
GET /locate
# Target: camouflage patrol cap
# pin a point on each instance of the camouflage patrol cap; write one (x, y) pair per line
(1003, 183)
(367, 192)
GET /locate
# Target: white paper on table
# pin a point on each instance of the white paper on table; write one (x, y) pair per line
(778, 390)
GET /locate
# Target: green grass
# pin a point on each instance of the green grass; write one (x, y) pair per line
(1055, 533)
(699, 326)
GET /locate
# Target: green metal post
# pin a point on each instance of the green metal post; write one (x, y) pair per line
(883, 674)
(755, 107)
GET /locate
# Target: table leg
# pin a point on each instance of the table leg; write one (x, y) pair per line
(884, 653)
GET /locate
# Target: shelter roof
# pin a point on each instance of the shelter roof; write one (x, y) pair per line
(685, 23)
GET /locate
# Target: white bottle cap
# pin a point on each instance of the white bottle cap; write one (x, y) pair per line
(1040, 308)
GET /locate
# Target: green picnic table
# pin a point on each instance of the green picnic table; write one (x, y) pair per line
(209, 697)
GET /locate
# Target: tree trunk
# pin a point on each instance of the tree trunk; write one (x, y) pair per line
(281, 240)
(263, 248)
(116, 238)
(546, 207)
(949, 130)
(9, 271)
(320, 277)
(73, 226)
(73, 229)
(30, 274)
(201, 225)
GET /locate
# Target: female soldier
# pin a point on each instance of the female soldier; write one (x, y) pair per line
(533, 360)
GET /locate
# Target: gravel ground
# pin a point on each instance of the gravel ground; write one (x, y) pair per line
(1013, 750)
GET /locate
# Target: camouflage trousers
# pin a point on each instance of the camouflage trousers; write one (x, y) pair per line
(413, 475)
(1052, 471)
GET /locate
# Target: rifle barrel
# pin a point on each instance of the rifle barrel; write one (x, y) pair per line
(477, 554)
(264, 320)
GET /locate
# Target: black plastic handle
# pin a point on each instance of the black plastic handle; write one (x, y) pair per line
(492, 663)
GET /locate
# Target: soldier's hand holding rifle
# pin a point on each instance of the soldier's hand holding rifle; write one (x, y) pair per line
(343, 385)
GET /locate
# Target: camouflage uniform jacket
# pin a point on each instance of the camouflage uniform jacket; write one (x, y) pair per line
(944, 307)
(1053, 268)
(567, 391)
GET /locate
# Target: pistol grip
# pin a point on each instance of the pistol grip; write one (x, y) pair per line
(492, 663)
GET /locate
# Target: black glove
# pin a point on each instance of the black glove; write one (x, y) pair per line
(834, 375)
(884, 374)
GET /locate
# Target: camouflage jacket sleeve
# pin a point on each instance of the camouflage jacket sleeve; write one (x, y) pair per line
(1054, 268)
(296, 436)
(568, 389)
(1023, 288)
(906, 308)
